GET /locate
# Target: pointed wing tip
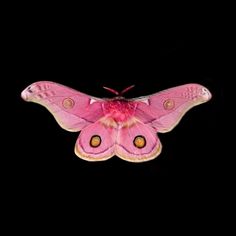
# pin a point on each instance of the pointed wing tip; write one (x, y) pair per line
(25, 95)
(206, 94)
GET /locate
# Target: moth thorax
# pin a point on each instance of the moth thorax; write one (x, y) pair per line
(119, 110)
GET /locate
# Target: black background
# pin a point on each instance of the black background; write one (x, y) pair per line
(45, 184)
(86, 54)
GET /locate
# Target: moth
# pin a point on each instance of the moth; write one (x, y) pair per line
(123, 127)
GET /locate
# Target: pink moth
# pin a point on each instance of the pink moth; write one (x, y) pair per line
(123, 127)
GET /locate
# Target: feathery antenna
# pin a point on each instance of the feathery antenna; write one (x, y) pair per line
(111, 90)
(119, 93)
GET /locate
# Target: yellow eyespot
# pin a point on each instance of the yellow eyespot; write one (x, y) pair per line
(169, 104)
(139, 141)
(95, 141)
(68, 103)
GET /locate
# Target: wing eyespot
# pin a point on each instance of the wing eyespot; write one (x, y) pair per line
(139, 141)
(68, 103)
(169, 104)
(95, 141)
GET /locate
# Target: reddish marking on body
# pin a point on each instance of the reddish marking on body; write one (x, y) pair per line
(119, 110)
